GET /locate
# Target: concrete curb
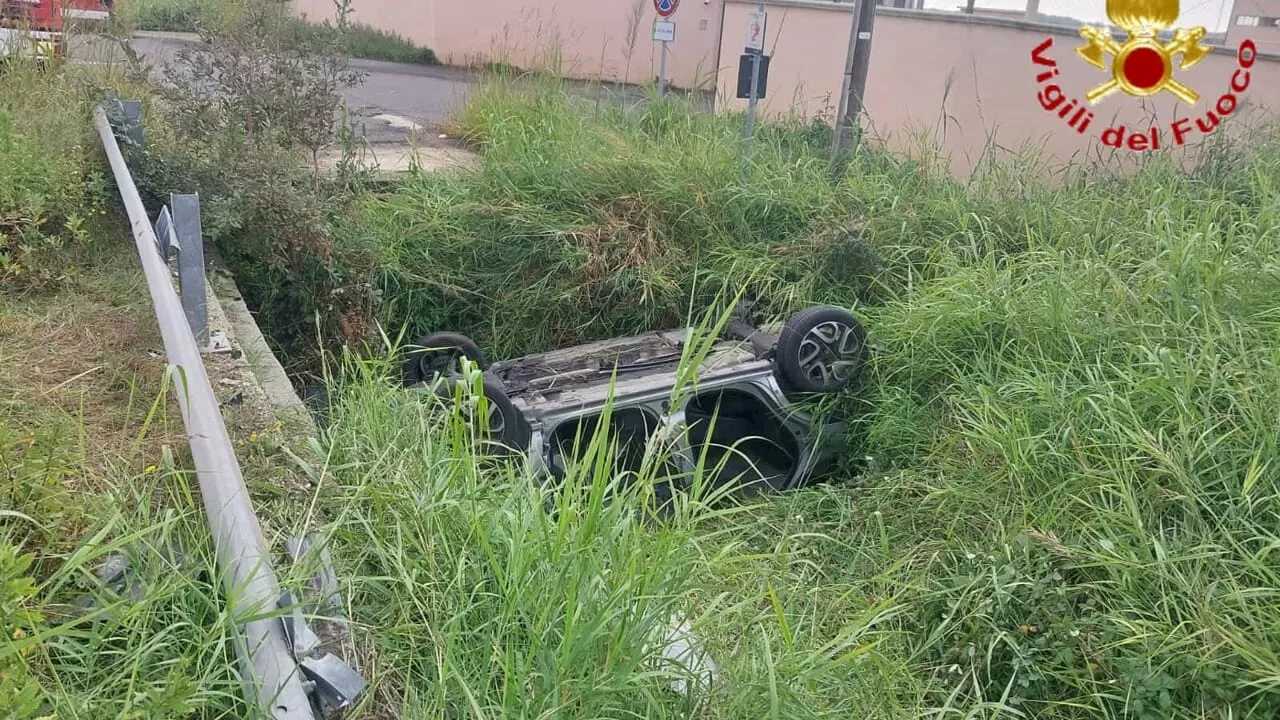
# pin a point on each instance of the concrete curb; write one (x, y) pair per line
(262, 362)
(184, 37)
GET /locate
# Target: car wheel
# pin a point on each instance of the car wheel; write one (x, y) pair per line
(437, 354)
(819, 350)
(507, 430)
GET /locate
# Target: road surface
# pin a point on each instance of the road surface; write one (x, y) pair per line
(392, 102)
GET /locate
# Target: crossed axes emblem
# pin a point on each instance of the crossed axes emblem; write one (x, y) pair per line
(1143, 66)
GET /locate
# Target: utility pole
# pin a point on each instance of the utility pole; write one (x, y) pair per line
(1033, 9)
(752, 101)
(856, 65)
(968, 8)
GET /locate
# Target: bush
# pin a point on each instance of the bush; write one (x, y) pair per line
(173, 15)
(358, 40)
(362, 41)
(242, 121)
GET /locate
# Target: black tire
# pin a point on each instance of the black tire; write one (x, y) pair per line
(437, 354)
(819, 350)
(508, 431)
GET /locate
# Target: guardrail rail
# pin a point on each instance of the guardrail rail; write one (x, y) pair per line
(284, 676)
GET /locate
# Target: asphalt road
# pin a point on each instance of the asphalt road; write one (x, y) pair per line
(391, 103)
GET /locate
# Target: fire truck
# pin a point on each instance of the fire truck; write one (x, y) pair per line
(37, 28)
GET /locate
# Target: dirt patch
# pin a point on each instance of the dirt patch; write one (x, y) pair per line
(87, 362)
(88, 358)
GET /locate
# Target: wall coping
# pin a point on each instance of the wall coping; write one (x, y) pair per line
(962, 18)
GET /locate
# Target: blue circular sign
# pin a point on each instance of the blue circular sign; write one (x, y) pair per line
(666, 8)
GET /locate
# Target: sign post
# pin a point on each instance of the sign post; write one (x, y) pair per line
(664, 31)
(756, 21)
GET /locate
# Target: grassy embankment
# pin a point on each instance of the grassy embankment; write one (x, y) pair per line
(1072, 502)
(93, 458)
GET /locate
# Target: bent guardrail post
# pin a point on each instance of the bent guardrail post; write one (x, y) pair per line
(185, 211)
(272, 676)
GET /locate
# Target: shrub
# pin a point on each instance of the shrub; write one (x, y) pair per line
(363, 41)
(243, 118)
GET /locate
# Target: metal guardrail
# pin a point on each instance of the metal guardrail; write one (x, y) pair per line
(282, 675)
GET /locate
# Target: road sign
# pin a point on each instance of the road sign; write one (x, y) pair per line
(666, 8)
(747, 68)
(664, 31)
(755, 32)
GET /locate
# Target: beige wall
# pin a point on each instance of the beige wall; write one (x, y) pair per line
(807, 47)
(589, 37)
(965, 80)
(1267, 37)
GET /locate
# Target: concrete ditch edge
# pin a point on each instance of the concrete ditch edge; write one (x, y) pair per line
(261, 361)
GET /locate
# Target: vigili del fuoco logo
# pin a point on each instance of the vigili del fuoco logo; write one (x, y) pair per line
(1142, 66)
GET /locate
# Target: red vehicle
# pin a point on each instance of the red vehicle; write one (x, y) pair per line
(36, 28)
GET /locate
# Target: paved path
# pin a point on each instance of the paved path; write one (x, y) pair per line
(394, 107)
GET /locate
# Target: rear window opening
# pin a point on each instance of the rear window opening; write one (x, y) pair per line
(744, 442)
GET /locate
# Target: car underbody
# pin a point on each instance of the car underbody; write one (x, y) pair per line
(731, 411)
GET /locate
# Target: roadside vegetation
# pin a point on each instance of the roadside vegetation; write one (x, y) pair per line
(1070, 496)
(91, 462)
(191, 16)
(1066, 505)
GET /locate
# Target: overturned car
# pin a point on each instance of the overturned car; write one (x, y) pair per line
(732, 405)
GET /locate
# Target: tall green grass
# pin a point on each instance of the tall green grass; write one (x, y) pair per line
(91, 463)
(1070, 502)
(488, 593)
(589, 219)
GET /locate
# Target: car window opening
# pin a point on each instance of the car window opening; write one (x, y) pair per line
(744, 442)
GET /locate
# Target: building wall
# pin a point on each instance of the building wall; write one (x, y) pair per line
(1266, 31)
(808, 45)
(967, 81)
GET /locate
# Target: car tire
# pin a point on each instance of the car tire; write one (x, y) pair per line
(508, 430)
(819, 350)
(437, 354)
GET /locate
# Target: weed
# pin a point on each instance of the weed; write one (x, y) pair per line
(48, 202)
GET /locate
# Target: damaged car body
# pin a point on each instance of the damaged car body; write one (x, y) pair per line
(743, 416)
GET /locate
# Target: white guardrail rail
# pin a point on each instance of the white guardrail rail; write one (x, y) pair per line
(285, 678)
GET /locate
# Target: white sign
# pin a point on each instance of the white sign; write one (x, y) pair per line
(664, 31)
(755, 31)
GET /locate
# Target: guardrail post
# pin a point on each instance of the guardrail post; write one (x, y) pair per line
(191, 277)
(165, 240)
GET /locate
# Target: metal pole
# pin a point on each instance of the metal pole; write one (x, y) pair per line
(968, 8)
(752, 100)
(250, 584)
(857, 65)
(662, 70)
(1033, 9)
